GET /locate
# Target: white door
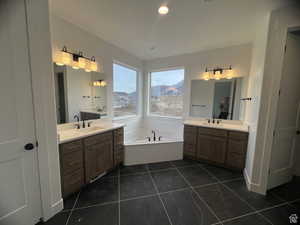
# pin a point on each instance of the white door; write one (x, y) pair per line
(281, 168)
(20, 202)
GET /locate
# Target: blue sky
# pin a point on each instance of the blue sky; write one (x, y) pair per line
(170, 77)
(125, 78)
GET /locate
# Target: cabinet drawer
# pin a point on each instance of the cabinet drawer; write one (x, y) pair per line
(96, 139)
(212, 132)
(72, 161)
(71, 147)
(73, 182)
(238, 135)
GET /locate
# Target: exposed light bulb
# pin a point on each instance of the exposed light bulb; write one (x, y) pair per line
(163, 10)
(206, 76)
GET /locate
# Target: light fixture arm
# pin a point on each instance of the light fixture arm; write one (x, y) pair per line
(77, 55)
(218, 69)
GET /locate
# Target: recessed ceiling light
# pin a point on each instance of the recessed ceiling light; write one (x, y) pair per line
(163, 10)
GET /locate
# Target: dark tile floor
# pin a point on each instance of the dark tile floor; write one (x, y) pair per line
(177, 193)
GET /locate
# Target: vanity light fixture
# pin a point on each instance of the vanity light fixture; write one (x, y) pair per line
(218, 73)
(163, 10)
(76, 60)
(99, 83)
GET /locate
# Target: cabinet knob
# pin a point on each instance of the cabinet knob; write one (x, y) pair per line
(29, 147)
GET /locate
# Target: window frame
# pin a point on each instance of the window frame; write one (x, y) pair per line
(148, 103)
(115, 62)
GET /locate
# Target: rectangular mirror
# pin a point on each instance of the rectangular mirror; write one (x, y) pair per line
(78, 93)
(219, 99)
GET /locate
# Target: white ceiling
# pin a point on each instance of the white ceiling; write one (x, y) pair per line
(190, 26)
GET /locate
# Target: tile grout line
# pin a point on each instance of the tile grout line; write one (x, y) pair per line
(71, 212)
(288, 202)
(255, 210)
(233, 192)
(204, 202)
(157, 191)
(96, 205)
(127, 199)
(158, 170)
(251, 207)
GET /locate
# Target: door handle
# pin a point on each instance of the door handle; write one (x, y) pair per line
(29, 147)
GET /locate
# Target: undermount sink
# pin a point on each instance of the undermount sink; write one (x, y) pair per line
(89, 129)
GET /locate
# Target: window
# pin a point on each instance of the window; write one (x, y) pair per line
(166, 93)
(124, 91)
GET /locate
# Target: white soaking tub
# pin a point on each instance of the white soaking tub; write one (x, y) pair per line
(143, 151)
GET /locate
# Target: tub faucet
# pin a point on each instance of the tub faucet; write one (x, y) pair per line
(159, 138)
(154, 135)
(149, 139)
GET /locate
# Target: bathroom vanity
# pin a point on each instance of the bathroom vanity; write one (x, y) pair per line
(87, 154)
(219, 144)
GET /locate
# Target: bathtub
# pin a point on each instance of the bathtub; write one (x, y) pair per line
(143, 151)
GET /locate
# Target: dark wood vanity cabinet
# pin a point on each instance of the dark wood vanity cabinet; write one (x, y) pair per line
(72, 167)
(98, 155)
(237, 149)
(83, 160)
(118, 146)
(216, 146)
(190, 141)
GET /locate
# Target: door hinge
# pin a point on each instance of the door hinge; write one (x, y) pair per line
(274, 133)
(37, 144)
(279, 92)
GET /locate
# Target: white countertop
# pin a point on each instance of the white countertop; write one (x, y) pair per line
(222, 125)
(67, 135)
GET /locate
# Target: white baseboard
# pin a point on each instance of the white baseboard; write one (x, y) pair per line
(57, 207)
(252, 186)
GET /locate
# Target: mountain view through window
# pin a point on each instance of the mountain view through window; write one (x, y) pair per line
(166, 93)
(124, 91)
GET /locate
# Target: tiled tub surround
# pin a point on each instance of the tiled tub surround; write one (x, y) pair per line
(177, 193)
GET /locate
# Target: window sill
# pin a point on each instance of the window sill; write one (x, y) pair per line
(165, 117)
(125, 117)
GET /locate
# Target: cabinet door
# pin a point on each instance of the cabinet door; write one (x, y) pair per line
(190, 141)
(218, 153)
(72, 167)
(204, 147)
(211, 148)
(118, 146)
(104, 156)
(236, 153)
(90, 162)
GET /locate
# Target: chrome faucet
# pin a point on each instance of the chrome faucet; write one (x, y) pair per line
(78, 124)
(154, 135)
